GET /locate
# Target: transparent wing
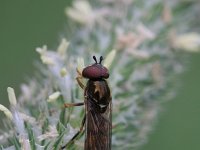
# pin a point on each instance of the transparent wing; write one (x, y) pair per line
(98, 126)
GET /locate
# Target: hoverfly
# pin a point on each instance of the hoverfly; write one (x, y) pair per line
(98, 107)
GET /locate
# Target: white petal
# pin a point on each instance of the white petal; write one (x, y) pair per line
(144, 31)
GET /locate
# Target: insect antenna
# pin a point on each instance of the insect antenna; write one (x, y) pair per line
(101, 58)
(95, 59)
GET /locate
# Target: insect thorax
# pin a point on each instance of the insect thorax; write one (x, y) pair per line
(98, 92)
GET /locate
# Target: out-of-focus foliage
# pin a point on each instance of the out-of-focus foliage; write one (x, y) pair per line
(151, 45)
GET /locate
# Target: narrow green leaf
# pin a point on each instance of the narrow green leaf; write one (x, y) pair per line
(62, 116)
(15, 142)
(31, 136)
(47, 145)
(60, 128)
(44, 128)
(57, 144)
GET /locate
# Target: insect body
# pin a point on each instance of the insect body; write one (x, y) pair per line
(97, 120)
(98, 108)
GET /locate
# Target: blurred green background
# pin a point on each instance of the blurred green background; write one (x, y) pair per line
(25, 25)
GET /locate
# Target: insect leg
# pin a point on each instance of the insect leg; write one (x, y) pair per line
(66, 105)
(76, 135)
(78, 79)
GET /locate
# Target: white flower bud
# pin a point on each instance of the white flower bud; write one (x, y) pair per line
(63, 47)
(47, 60)
(80, 64)
(6, 112)
(189, 42)
(63, 72)
(81, 12)
(11, 96)
(109, 59)
(42, 50)
(53, 97)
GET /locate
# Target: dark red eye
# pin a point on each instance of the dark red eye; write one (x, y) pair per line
(96, 71)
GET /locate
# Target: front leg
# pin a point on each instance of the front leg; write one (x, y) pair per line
(79, 79)
(80, 83)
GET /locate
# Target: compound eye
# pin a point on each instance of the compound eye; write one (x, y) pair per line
(95, 71)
